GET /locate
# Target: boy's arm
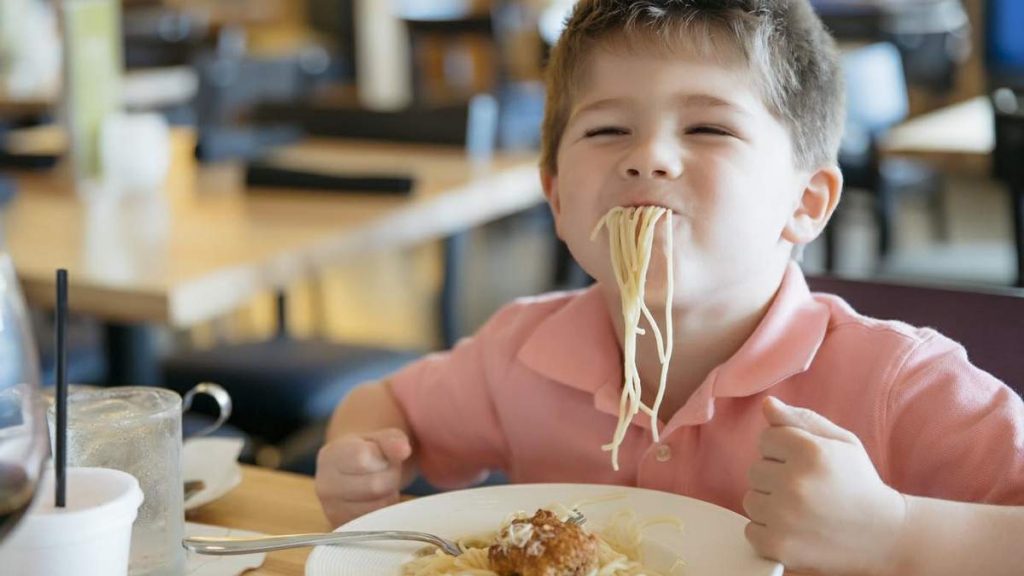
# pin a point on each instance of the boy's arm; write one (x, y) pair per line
(955, 538)
(368, 455)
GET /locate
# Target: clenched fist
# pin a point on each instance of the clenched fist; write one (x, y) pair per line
(359, 473)
(816, 503)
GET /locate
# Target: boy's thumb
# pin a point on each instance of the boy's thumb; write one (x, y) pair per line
(394, 444)
(778, 413)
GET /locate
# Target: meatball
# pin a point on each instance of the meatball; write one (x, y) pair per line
(543, 546)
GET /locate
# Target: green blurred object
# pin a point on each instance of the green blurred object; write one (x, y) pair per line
(93, 69)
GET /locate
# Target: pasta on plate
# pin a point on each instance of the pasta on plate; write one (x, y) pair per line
(545, 545)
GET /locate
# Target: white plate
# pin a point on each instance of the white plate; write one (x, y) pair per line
(215, 462)
(712, 542)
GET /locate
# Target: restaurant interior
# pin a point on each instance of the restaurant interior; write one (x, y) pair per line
(289, 198)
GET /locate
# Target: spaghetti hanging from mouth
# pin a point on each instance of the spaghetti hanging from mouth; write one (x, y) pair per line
(631, 240)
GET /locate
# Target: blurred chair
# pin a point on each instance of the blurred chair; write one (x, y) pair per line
(443, 36)
(156, 36)
(1008, 160)
(876, 100)
(459, 47)
(285, 388)
(334, 21)
(471, 124)
(933, 36)
(86, 360)
(989, 323)
(1004, 43)
(232, 84)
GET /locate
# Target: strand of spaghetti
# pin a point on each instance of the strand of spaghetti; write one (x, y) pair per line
(618, 233)
(646, 239)
(669, 344)
(621, 232)
(631, 242)
(627, 221)
(648, 244)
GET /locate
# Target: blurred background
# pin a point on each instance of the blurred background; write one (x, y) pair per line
(268, 103)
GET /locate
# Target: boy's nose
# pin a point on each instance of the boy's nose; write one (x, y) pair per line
(652, 161)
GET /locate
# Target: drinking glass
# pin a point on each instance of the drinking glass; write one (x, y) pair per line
(24, 447)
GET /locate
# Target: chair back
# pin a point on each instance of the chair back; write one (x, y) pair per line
(1009, 130)
(989, 323)
(231, 85)
(876, 88)
(472, 124)
(876, 99)
(1004, 43)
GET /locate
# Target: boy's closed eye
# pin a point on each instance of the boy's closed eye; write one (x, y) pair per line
(619, 131)
(709, 130)
(606, 131)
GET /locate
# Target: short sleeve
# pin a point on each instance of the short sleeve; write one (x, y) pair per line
(447, 401)
(955, 431)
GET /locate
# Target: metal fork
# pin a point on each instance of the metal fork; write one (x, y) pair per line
(235, 546)
(251, 545)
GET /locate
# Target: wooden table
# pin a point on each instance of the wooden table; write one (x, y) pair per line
(270, 502)
(208, 245)
(214, 245)
(17, 107)
(960, 138)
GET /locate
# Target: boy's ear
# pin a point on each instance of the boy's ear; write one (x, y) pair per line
(549, 182)
(815, 205)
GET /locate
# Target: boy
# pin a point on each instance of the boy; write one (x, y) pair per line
(728, 113)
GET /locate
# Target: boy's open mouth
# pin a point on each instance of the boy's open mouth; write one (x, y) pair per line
(641, 203)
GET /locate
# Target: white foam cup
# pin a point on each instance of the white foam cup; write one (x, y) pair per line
(135, 152)
(90, 536)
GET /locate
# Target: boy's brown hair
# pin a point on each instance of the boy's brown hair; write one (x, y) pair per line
(782, 41)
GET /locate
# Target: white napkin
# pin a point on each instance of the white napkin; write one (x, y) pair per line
(215, 462)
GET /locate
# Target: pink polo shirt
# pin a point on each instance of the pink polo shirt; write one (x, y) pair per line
(536, 391)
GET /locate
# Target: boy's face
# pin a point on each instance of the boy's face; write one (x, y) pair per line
(693, 136)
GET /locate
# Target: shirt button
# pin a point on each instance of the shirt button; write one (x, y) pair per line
(664, 453)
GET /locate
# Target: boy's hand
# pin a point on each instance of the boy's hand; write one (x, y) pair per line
(816, 503)
(359, 473)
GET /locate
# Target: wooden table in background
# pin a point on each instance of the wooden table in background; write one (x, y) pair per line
(208, 245)
(17, 108)
(269, 502)
(213, 245)
(960, 137)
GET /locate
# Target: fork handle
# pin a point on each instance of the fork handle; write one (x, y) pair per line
(252, 545)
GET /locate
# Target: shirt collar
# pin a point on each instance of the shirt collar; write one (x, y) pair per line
(782, 345)
(576, 345)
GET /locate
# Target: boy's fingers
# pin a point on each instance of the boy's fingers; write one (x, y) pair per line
(352, 455)
(754, 504)
(764, 475)
(783, 444)
(778, 413)
(367, 487)
(762, 540)
(365, 454)
(339, 512)
(394, 444)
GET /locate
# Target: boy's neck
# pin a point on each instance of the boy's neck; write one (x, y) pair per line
(705, 336)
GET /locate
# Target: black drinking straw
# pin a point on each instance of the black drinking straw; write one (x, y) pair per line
(60, 458)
